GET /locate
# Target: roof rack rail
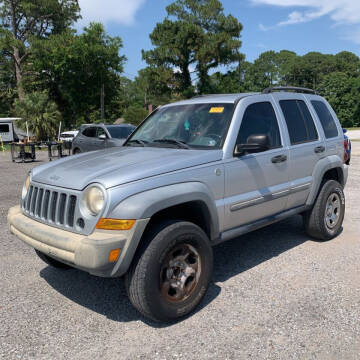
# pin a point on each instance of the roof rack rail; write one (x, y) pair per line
(205, 95)
(289, 88)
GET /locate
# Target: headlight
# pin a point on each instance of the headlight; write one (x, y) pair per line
(25, 187)
(94, 199)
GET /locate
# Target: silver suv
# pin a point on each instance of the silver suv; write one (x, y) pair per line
(195, 173)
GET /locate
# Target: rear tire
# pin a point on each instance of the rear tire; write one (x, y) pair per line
(76, 151)
(52, 262)
(324, 220)
(171, 273)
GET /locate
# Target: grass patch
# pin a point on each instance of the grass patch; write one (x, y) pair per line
(352, 128)
(6, 147)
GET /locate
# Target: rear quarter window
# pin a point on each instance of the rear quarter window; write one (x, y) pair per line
(299, 121)
(326, 119)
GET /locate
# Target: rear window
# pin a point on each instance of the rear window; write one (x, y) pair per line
(327, 121)
(120, 132)
(299, 121)
(4, 128)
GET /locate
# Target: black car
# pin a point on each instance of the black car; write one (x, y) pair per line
(100, 136)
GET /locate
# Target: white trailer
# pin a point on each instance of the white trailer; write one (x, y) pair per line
(9, 132)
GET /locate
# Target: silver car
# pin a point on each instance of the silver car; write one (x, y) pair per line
(99, 136)
(194, 174)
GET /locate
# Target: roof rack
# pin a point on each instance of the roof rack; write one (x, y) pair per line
(289, 88)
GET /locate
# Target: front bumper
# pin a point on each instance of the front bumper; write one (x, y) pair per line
(88, 253)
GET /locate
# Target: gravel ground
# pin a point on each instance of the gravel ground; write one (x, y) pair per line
(276, 294)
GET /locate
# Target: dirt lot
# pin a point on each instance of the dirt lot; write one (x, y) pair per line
(276, 294)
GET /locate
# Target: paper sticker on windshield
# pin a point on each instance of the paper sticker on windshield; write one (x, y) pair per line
(216, 110)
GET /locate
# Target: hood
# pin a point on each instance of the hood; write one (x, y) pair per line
(117, 166)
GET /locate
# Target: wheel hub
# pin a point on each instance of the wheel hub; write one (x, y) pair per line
(332, 210)
(180, 272)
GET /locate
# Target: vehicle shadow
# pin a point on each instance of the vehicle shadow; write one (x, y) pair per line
(108, 296)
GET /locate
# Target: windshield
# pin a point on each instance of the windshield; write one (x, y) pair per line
(120, 132)
(67, 136)
(198, 125)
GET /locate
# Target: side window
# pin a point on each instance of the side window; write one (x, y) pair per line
(299, 121)
(90, 132)
(260, 118)
(327, 121)
(4, 128)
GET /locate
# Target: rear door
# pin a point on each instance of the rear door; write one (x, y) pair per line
(307, 146)
(333, 133)
(256, 184)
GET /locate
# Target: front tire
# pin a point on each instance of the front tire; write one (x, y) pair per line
(170, 276)
(324, 220)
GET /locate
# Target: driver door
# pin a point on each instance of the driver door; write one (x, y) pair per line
(257, 184)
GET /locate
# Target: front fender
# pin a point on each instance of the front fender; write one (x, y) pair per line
(145, 204)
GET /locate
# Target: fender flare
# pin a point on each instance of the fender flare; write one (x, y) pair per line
(145, 204)
(322, 166)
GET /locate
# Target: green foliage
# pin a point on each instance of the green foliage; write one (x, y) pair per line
(23, 20)
(195, 34)
(74, 68)
(40, 112)
(135, 114)
(7, 85)
(342, 92)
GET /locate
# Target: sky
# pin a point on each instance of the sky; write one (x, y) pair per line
(327, 26)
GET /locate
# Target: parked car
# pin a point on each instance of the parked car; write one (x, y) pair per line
(194, 174)
(100, 136)
(347, 145)
(68, 136)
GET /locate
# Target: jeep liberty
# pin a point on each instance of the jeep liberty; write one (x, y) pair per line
(195, 173)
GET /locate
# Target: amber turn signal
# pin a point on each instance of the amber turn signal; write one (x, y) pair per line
(114, 255)
(115, 224)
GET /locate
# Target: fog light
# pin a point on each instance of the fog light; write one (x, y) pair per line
(115, 224)
(114, 255)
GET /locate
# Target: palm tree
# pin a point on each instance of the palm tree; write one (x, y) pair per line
(40, 112)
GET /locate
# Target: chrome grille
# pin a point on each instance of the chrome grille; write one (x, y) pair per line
(50, 206)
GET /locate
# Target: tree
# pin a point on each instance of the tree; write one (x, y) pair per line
(342, 92)
(41, 114)
(135, 114)
(20, 20)
(75, 67)
(196, 35)
(7, 85)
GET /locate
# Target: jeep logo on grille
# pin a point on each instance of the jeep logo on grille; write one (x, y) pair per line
(55, 177)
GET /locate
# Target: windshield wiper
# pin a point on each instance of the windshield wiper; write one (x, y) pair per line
(137, 141)
(180, 144)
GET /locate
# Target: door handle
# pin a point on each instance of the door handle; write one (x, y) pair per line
(319, 149)
(278, 159)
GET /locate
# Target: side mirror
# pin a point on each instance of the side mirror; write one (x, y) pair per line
(254, 144)
(102, 137)
(344, 131)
